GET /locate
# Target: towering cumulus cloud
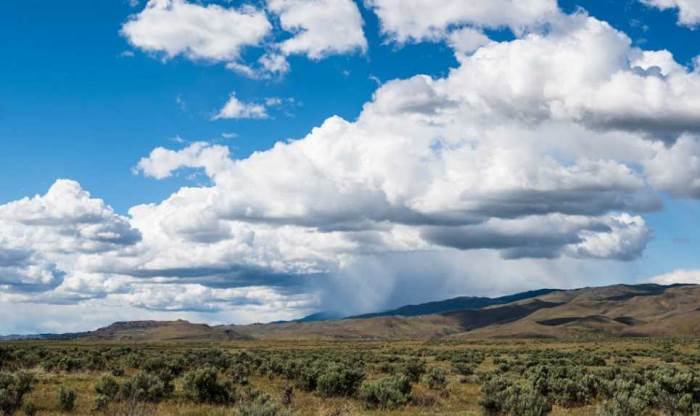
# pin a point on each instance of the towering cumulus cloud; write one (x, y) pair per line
(513, 152)
(42, 238)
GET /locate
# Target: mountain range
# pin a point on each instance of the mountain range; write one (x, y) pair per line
(620, 311)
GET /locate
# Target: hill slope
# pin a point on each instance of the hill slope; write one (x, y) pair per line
(154, 331)
(621, 310)
(454, 304)
(644, 310)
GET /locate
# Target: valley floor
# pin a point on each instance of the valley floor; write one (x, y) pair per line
(247, 378)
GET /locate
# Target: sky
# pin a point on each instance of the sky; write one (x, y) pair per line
(250, 161)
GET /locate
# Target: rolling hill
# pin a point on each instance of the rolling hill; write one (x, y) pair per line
(611, 311)
(162, 331)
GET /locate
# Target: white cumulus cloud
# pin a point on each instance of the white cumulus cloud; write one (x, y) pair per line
(235, 108)
(407, 20)
(211, 32)
(320, 27)
(678, 277)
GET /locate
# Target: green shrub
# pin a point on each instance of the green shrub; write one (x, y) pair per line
(106, 390)
(339, 380)
(66, 400)
(133, 360)
(502, 396)
(166, 369)
(493, 394)
(386, 393)
(675, 392)
(626, 402)
(13, 388)
(145, 387)
(307, 379)
(413, 370)
(565, 385)
(62, 363)
(202, 386)
(108, 387)
(526, 401)
(462, 368)
(436, 379)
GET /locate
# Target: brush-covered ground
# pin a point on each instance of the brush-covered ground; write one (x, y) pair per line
(516, 377)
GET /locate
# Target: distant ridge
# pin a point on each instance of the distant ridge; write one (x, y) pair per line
(35, 337)
(321, 316)
(163, 331)
(646, 310)
(454, 304)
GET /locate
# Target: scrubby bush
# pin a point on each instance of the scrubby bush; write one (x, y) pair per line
(165, 369)
(462, 368)
(493, 398)
(203, 386)
(436, 379)
(676, 392)
(526, 401)
(623, 403)
(65, 363)
(239, 373)
(413, 370)
(66, 400)
(13, 388)
(133, 360)
(502, 396)
(307, 377)
(106, 390)
(108, 387)
(337, 380)
(626, 397)
(145, 387)
(564, 385)
(667, 389)
(216, 358)
(386, 393)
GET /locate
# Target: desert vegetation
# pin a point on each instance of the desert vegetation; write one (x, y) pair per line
(498, 377)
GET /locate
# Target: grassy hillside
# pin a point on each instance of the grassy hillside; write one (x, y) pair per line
(621, 310)
(156, 331)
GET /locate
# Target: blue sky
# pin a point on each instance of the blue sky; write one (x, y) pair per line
(83, 99)
(75, 107)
